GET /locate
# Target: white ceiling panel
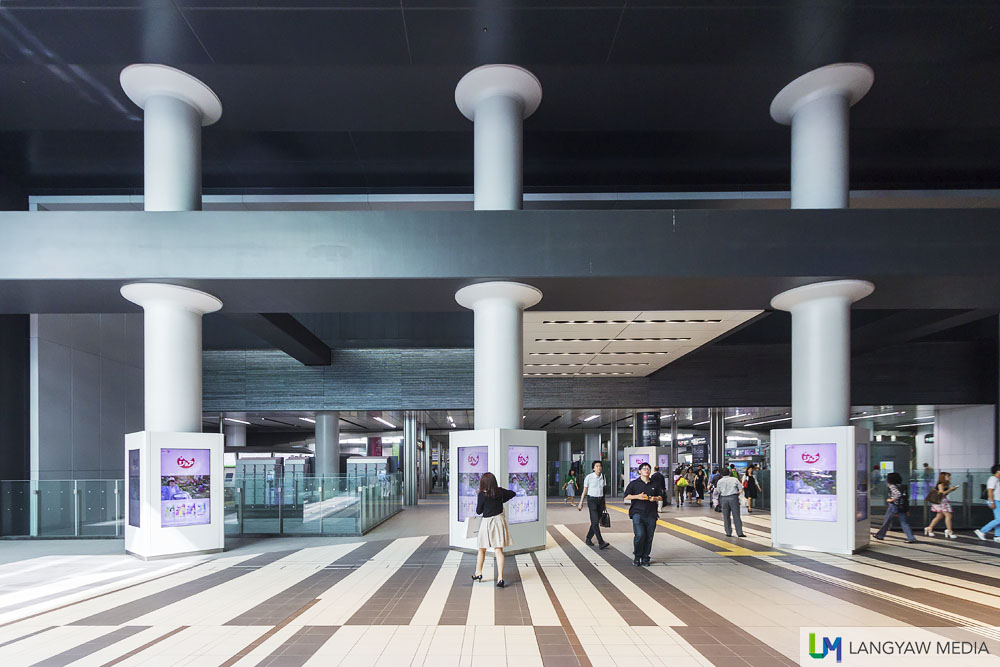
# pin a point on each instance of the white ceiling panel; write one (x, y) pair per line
(617, 343)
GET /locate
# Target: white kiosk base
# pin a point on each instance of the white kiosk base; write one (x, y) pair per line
(173, 494)
(518, 458)
(820, 495)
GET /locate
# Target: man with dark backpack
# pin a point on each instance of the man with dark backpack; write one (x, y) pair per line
(898, 505)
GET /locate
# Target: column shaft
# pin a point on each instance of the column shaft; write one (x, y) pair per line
(716, 437)
(409, 458)
(172, 343)
(328, 443)
(498, 363)
(591, 450)
(498, 153)
(673, 443)
(821, 363)
(172, 155)
(820, 155)
(235, 435)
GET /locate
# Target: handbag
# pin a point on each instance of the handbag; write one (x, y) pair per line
(472, 525)
(933, 496)
(605, 519)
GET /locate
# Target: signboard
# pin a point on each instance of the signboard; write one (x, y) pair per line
(472, 463)
(699, 454)
(664, 463)
(522, 474)
(649, 429)
(634, 461)
(811, 482)
(134, 498)
(185, 487)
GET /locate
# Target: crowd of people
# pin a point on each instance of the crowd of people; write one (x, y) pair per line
(727, 490)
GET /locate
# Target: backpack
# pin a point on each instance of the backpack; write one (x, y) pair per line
(903, 504)
(984, 493)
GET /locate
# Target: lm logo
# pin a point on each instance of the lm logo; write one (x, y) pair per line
(523, 460)
(810, 458)
(828, 646)
(473, 461)
(185, 463)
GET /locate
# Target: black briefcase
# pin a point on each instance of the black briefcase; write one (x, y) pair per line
(605, 519)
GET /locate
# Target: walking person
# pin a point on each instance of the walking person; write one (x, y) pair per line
(713, 489)
(992, 496)
(751, 488)
(941, 508)
(493, 531)
(898, 505)
(700, 480)
(729, 499)
(680, 486)
(643, 495)
(570, 488)
(593, 491)
(658, 478)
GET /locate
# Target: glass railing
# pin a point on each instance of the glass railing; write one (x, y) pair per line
(969, 510)
(330, 505)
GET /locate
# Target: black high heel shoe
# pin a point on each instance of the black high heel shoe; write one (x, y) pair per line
(500, 584)
(477, 577)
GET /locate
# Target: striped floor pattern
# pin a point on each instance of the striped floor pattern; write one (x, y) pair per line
(707, 600)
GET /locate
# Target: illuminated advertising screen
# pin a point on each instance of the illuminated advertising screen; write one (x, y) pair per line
(522, 474)
(664, 461)
(472, 463)
(861, 512)
(811, 482)
(185, 487)
(634, 461)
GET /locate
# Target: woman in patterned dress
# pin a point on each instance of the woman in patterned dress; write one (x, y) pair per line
(942, 508)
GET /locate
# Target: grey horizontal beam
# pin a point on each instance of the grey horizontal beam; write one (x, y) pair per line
(287, 334)
(582, 260)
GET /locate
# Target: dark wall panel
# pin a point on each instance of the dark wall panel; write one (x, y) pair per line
(14, 446)
(721, 375)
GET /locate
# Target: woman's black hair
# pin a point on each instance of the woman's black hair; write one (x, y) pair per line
(894, 478)
(594, 464)
(488, 485)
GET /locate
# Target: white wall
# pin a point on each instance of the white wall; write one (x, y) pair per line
(963, 438)
(86, 393)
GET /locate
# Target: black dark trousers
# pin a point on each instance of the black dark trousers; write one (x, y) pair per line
(596, 507)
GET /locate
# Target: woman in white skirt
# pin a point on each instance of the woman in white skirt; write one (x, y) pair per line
(493, 532)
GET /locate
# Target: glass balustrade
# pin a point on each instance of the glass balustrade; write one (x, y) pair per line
(295, 505)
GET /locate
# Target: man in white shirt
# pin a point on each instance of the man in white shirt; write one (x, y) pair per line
(729, 498)
(593, 491)
(992, 498)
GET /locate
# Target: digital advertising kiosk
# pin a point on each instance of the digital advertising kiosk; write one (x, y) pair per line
(654, 456)
(820, 489)
(173, 494)
(518, 459)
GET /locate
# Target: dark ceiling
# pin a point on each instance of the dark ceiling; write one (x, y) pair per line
(359, 96)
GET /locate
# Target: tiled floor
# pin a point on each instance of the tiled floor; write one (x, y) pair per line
(400, 599)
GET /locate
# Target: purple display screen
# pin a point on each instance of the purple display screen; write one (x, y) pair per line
(472, 463)
(185, 487)
(811, 482)
(522, 475)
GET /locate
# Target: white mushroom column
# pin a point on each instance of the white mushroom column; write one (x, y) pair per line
(172, 445)
(821, 445)
(817, 106)
(499, 345)
(497, 98)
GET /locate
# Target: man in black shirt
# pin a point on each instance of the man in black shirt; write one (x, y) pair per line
(644, 495)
